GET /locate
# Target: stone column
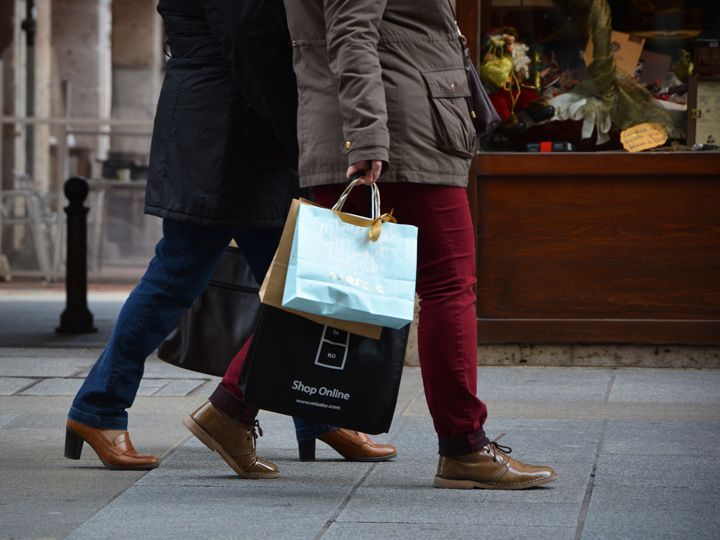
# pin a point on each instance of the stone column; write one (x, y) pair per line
(81, 56)
(43, 90)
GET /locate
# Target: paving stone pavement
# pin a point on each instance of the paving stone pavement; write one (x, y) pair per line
(635, 449)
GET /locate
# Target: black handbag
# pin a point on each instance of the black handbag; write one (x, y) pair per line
(484, 116)
(209, 335)
(301, 368)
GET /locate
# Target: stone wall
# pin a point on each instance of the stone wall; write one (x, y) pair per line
(656, 356)
(599, 356)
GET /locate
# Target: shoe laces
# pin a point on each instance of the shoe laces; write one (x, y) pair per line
(255, 430)
(493, 447)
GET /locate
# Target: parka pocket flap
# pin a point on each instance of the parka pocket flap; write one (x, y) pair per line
(447, 83)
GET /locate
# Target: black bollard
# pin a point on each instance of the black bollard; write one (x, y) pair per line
(77, 318)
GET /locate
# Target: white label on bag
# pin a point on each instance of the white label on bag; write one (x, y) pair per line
(333, 349)
(322, 391)
(356, 282)
(309, 390)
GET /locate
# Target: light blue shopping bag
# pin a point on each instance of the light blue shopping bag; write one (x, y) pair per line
(352, 268)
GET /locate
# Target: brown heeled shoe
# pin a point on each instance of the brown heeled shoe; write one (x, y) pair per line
(118, 454)
(352, 445)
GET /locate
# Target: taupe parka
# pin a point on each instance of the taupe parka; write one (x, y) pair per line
(381, 79)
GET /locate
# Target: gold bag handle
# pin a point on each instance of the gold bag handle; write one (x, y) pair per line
(376, 219)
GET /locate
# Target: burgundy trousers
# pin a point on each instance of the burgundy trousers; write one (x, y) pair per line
(447, 331)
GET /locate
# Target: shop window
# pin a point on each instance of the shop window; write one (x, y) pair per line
(602, 75)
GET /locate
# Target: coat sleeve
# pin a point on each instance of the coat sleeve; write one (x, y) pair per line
(256, 44)
(353, 31)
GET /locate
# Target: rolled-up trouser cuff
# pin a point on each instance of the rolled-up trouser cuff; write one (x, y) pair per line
(462, 444)
(233, 406)
(312, 431)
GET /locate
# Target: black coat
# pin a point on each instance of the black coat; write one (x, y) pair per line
(224, 148)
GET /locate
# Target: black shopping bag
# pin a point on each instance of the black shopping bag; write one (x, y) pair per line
(208, 335)
(301, 368)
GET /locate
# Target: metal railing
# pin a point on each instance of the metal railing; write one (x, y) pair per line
(51, 265)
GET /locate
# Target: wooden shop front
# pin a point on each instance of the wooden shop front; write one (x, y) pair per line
(593, 246)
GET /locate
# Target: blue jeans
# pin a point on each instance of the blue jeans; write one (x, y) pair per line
(308, 429)
(184, 261)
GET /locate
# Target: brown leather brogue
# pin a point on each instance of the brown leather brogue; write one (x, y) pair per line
(233, 440)
(354, 446)
(116, 454)
(490, 468)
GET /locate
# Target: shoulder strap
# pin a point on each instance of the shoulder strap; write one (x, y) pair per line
(461, 37)
(452, 8)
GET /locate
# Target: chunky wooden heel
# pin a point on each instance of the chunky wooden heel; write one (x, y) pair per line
(117, 454)
(307, 449)
(73, 444)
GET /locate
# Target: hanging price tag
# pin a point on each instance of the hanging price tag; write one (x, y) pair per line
(643, 137)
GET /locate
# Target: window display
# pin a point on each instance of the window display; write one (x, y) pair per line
(704, 112)
(601, 74)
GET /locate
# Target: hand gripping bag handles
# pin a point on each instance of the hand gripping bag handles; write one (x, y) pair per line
(350, 267)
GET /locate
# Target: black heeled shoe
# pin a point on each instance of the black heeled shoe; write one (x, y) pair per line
(306, 449)
(352, 445)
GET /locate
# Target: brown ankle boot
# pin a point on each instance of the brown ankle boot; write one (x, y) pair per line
(490, 468)
(233, 440)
